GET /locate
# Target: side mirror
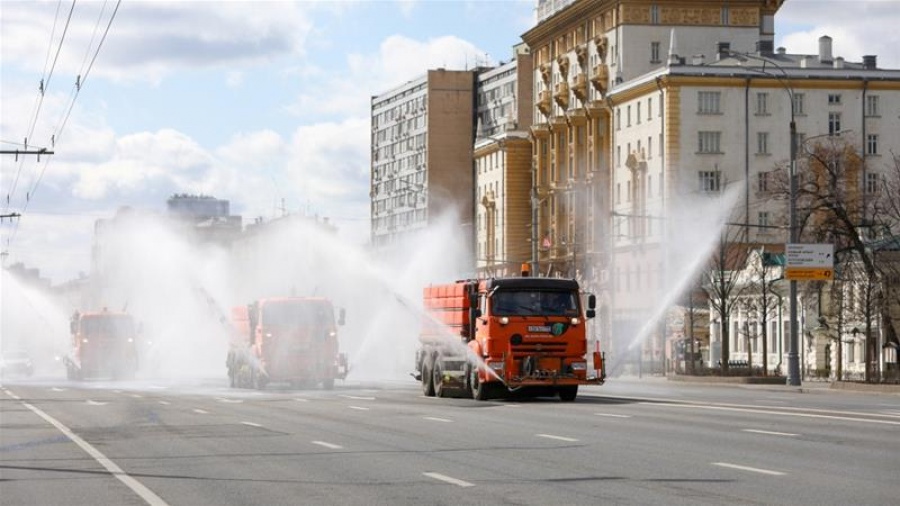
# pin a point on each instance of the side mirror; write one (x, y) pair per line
(342, 316)
(590, 313)
(592, 301)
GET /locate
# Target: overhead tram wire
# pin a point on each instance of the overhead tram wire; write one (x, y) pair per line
(79, 83)
(44, 86)
(77, 89)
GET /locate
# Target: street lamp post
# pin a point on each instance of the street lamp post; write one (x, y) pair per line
(793, 356)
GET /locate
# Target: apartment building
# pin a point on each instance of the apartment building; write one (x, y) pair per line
(503, 176)
(644, 109)
(423, 136)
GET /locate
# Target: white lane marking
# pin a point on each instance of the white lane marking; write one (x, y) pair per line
(776, 412)
(137, 487)
(436, 419)
(892, 413)
(117, 391)
(558, 438)
(165, 403)
(229, 401)
(252, 424)
(448, 479)
(330, 446)
(611, 415)
(511, 405)
(157, 387)
(771, 433)
(95, 403)
(200, 411)
(300, 399)
(14, 396)
(358, 398)
(358, 407)
(137, 396)
(57, 389)
(751, 469)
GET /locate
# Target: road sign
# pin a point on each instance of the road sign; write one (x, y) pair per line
(808, 274)
(809, 262)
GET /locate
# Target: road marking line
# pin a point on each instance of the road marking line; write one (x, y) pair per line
(558, 438)
(95, 403)
(200, 411)
(229, 401)
(14, 396)
(771, 433)
(137, 396)
(137, 487)
(611, 415)
(57, 389)
(165, 403)
(299, 399)
(892, 413)
(777, 412)
(358, 407)
(252, 424)
(436, 419)
(330, 446)
(751, 469)
(511, 405)
(358, 398)
(448, 479)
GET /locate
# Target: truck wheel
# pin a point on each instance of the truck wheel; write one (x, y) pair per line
(568, 394)
(438, 379)
(427, 379)
(328, 383)
(480, 391)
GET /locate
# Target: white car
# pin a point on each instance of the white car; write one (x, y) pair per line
(16, 363)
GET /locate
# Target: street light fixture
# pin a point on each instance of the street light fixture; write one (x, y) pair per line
(793, 357)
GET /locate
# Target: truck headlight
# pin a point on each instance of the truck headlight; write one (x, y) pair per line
(504, 320)
(579, 366)
(575, 321)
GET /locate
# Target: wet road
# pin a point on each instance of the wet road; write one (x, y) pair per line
(628, 442)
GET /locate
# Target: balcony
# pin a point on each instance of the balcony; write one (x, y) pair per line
(561, 96)
(544, 102)
(579, 87)
(600, 77)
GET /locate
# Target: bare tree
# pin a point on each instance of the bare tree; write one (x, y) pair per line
(721, 283)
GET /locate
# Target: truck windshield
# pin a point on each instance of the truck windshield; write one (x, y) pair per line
(107, 326)
(534, 303)
(296, 314)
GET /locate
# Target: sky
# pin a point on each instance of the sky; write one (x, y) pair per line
(263, 103)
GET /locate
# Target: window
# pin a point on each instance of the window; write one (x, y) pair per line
(649, 108)
(628, 116)
(763, 181)
(707, 102)
(834, 99)
(798, 104)
(709, 142)
(762, 143)
(709, 180)
(762, 219)
(654, 52)
(618, 156)
(649, 147)
(618, 193)
(762, 104)
(872, 105)
(834, 123)
(872, 144)
(871, 182)
(637, 115)
(618, 119)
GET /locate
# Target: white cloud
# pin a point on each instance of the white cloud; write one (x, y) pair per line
(863, 28)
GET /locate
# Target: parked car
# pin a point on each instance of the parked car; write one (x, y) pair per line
(16, 363)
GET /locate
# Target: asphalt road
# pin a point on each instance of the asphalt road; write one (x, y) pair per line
(627, 442)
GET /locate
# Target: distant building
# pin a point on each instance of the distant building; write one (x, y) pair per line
(209, 217)
(422, 139)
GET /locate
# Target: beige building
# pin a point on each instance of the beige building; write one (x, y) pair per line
(643, 110)
(503, 167)
(422, 167)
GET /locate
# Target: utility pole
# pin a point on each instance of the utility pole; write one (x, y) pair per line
(17, 152)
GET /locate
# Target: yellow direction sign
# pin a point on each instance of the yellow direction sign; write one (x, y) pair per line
(808, 273)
